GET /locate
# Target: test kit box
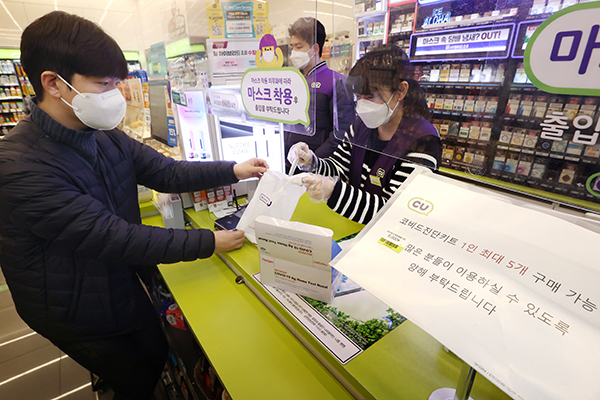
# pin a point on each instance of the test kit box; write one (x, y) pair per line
(295, 257)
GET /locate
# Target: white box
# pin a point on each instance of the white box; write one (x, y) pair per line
(295, 257)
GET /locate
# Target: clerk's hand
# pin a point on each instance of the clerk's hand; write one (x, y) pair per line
(319, 187)
(303, 153)
(228, 240)
(253, 168)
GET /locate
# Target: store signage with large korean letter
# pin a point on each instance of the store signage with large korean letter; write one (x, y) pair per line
(276, 94)
(564, 52)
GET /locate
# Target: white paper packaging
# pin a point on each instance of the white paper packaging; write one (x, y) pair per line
(295, 257)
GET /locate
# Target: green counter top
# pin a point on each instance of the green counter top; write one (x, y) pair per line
(258, 357)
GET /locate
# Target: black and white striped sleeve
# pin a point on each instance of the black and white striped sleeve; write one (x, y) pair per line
(338, 164)
(359, 205)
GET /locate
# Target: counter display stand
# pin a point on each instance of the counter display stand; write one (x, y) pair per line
(260, 351)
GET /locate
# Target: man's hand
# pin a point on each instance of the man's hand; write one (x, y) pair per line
(228, 240)
(253, 168)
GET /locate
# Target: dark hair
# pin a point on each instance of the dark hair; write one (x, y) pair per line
(386, 67)
(68, 44)
(306, 29)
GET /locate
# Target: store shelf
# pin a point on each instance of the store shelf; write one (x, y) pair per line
(464, 114)
(369, 38)
(462, 84)
(542, 195)
(11, 98)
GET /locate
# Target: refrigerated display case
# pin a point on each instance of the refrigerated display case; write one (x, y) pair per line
(494, 123)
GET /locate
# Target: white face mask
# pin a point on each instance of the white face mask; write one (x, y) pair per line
(300, 59)
(373, 114)
(98, 110)
(268, 56)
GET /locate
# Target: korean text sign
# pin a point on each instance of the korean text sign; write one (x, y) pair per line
(563, 55)
(493, 42)
(276, 94)
(512, 290)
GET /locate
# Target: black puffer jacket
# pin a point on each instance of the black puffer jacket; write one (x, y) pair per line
(71, 237)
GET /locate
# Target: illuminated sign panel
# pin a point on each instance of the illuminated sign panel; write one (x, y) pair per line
(467, 43)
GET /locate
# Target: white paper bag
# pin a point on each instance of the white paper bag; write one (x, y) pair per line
(276, 196)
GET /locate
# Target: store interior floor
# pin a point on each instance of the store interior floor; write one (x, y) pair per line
(32, 368)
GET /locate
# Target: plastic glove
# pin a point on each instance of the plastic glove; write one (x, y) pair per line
(319, 187)
(307, 159)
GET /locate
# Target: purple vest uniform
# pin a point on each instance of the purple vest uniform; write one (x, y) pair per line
(409, 131)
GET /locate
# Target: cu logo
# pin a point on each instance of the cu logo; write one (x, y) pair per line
(420, 206)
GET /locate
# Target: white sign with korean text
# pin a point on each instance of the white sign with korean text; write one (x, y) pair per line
(509, 287)
(562, 55)
(229, 59)
(276, 94)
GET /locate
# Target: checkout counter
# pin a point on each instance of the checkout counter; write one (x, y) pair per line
(260, 351)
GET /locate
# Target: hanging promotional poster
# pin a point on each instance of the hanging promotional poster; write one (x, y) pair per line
(238, 20)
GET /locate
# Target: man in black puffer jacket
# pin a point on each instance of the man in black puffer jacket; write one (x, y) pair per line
(71, 238)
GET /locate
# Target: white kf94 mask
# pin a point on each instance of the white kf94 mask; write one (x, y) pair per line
(373, 114)
(300, 59)
(98, 110)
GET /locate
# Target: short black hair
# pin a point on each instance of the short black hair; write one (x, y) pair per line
(386, 67)
(68, 44)
(307, 29)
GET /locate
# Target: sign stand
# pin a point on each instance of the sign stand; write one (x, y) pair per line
(465, 384)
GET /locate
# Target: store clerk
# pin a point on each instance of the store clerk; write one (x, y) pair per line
(328, 96)
(71, 238)
(391, 135)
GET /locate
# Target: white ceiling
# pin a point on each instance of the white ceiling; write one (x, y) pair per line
(117, 17)
(137, 24)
